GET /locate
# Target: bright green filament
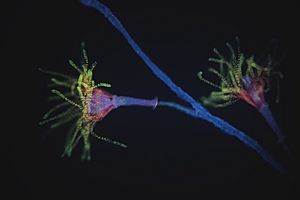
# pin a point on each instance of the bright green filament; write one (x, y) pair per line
(77, 101)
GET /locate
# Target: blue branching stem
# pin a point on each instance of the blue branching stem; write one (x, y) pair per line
(198, 110)
(230, 130)
(155, 69)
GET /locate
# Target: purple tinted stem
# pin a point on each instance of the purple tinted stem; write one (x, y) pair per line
(130, 101)
(265, 111)
(199, 110)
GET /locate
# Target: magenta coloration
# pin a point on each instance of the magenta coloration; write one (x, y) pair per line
(254, 95)
(103, 102)
(254, 91)
(88, 104)
(198, 110)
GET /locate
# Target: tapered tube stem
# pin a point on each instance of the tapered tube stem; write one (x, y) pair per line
(265, 111)
(131, 101)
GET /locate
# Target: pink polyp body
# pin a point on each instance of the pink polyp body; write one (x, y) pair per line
(253, 92)
(101, 104)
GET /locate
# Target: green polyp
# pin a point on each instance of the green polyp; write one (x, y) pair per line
(230, 75)
(75, 94)
(231, 72)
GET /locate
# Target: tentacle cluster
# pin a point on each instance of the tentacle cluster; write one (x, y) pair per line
(79, 102)
(241, 78)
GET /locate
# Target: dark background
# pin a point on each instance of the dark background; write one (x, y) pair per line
(169, 151)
